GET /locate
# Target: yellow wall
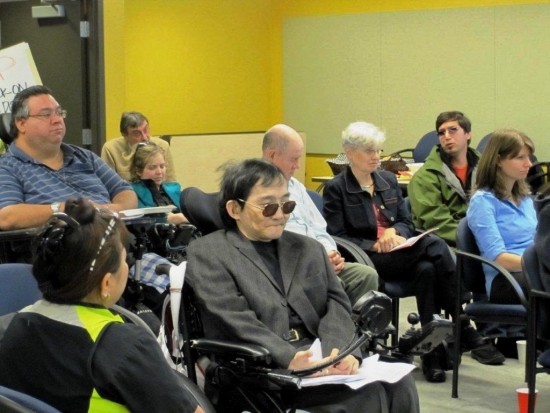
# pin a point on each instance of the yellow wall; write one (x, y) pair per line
(213, 65)
(205, 66)
(115, 91)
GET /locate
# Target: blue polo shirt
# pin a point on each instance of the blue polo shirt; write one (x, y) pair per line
(26, 181)
(500, 226)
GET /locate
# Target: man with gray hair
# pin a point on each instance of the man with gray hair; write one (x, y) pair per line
(118, 153)
(283, 147)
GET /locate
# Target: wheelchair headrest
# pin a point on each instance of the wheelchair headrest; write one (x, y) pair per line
(373, 312)
(202, 209)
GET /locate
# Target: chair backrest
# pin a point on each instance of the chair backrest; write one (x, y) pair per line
(317, 199)
(12, 401)
(424, 146)
(5, 119)
(531, 270)
(483, 142)
(18, 287)
(471, 270)
(202, 209)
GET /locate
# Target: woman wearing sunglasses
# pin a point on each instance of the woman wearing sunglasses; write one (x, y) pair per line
(85, 356)
(148, 174)
(256, 283)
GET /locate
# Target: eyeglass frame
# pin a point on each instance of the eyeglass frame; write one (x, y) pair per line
(265, 207)
(452, 130)
(62, 113)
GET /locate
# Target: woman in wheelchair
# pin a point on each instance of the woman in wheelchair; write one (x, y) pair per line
(69, 349)
(148, 173)
(258, 284)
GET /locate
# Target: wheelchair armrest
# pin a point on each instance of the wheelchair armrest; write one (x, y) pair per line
(501, 270)
(18, 234)
(250, 352)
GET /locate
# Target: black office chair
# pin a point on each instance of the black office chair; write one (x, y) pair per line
(469, 273)
(539, 175)
(539, 320)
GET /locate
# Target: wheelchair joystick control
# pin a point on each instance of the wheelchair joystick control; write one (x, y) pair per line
(425, 339)
(413, 319)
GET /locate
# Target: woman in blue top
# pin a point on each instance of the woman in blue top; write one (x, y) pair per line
(148, 173)
(501, 213)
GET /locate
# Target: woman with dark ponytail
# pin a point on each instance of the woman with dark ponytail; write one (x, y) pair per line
(86, 358)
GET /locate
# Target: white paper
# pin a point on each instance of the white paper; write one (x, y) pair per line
(371, 370)
(139, 212)
(411, 241)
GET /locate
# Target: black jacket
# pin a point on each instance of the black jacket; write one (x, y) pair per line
(349, 213)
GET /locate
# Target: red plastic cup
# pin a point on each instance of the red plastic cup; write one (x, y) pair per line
(523, 398)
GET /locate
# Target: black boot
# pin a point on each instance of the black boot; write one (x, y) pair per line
(431, 365)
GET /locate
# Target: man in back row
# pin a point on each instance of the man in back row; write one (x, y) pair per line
(39, 172)
(439, 192)
(119, 153)
(283, 147)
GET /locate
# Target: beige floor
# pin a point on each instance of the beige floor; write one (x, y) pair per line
(483, 389)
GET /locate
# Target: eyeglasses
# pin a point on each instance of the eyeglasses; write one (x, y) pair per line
(373, 152)
(268, 210)
(48, 114)
(452, 130)
(114, 216)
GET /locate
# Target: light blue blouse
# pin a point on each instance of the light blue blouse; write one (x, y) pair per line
(500, 226)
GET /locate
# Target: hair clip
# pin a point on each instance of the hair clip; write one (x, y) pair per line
(62, 216)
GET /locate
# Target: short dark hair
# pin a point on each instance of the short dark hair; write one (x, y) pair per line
(460, 117)
(239, 179)
(131, 120)
(20, 106)
(66, 246)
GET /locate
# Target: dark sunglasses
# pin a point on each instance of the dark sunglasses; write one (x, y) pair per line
(268, 210)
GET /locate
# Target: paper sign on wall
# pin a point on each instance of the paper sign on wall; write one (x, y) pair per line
(17, 72)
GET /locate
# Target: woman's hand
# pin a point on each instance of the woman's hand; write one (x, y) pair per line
(388, 241)
(346, 366)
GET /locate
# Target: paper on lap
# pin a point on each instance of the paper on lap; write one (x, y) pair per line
(370, 371)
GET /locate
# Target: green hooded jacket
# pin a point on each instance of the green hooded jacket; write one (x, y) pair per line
(438, 198)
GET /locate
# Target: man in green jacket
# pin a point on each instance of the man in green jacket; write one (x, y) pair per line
(440, 191)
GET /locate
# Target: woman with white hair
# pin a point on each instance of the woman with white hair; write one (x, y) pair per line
(364, 205)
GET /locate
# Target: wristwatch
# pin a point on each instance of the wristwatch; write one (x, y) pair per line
(56, 207)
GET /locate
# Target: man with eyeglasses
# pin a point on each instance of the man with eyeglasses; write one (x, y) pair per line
(118, 153)
(440, 190)
(39, 172)
(283, 147)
